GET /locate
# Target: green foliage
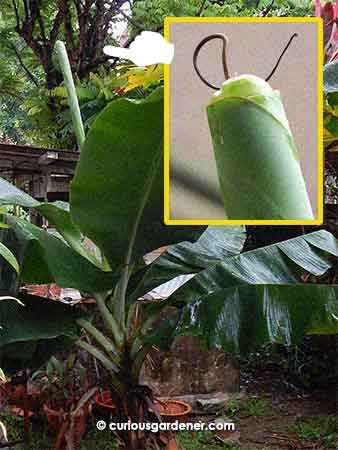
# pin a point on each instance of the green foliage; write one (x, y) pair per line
(330, 133)
(14, 90)
(237, 300)
(45, 127)
(5, 252)
(36, 340)
(14, 426)
(43, 117)
(313, 363)
(144, 196)
(36, 115)
(233, 407)
(256, 407)
(29, 113)
(16, 86)
(205, 440)
(8, 256)
(100, 440)
(331, 105)
(10, 83)
(94, 94)
(202, 440)
(62, 382)
(151, 13)
(308, 365)
(229, 290)
(323, 427)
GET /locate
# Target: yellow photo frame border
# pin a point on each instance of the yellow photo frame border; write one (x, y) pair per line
(320, 204)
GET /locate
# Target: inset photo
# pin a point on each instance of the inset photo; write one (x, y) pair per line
(243, 121)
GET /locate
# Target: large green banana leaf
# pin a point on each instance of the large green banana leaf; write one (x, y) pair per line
(9, 257)
(281, 263)
(215, 244)
(254, 297)
(117, 191)
(27, 339)
(239, 319)
(9, 278)
(57, 213)
(45, 258)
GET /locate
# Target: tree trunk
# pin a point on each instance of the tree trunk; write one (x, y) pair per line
(137, 407)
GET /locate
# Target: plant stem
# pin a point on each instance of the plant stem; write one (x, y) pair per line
(138, 342)
(73, 100)
(100, 338)
(84, 400)
(97, 354)
(109, 319)
(139, 359)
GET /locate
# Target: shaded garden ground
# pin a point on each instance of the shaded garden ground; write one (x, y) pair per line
(286, 403)
(294, 422)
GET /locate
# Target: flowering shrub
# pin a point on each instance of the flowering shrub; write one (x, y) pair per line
(329, 13)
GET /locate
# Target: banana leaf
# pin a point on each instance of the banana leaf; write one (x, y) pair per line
(26, 340)
(239, 319)
(117, 192)
(281, 263)
(9, 257)
(215, 244)
(252, 298)
(46, 259)
(9, 277)
(57, 213)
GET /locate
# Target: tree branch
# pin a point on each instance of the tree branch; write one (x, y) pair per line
(268, 9)
(25, 5)
(15, 6)
(86, 51)
(68, 29)
(23, 65)
(56, 27)
(42, 27)
(200, 9)
(96, 62)
(9, 93)
(131, 20)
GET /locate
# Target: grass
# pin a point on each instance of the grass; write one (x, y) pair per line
(256, 407)
(202, 440)
(323, 427)
(205, 440)
(102, 440)
(253, 407)
(233, 407)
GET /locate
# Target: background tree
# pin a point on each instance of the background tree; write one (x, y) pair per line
(36, 114)
(28, 32)
(212, 8)
(85, 26)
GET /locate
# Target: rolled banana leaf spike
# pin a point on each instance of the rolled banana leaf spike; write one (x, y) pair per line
(257, 159)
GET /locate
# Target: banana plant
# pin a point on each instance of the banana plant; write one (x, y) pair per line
(236, 299)
(5, 251)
